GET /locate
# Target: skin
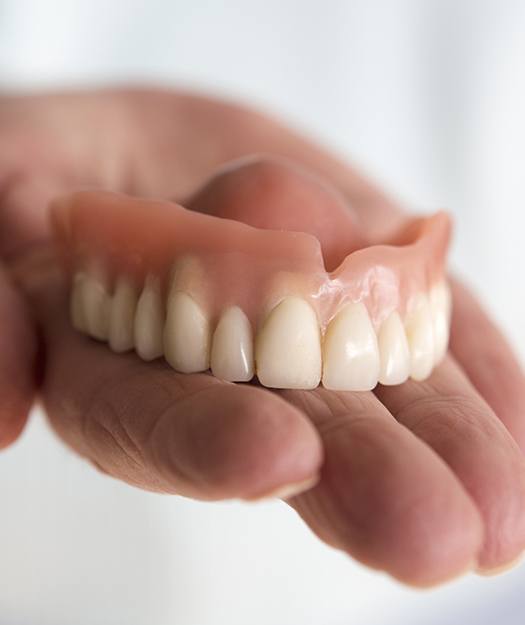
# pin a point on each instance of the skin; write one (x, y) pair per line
(423, 481)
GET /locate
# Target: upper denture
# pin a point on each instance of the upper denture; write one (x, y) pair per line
(204, 290)
(247, 266)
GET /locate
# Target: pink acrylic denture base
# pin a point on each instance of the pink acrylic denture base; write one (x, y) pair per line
(221, 262)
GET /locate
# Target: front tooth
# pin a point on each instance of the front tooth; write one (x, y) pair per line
(122, 315)
(149, 321)
(440, 304)
(351, 354)
(393, 351)
(420, 334)
(232, 347)
(96, 307)
(288, 347)
(77, 308)
(186, 335)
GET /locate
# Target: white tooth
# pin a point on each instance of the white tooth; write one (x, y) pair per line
(393, 351)
(440, 304)
(232, 347)
(420, 335)
(77, 303)
(288, 346)
(122, 315)
(351, 355)
(149, 321)
(186, 335)
(96, 307)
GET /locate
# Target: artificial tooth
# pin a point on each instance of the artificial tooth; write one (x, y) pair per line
(394, 353)
(122, 315)
(96, 302)
(420, 335)
(232, 347)
(440, 304)
(350, 353)
(77, 303)
(149, 321)
(288, 346)
(186, 334)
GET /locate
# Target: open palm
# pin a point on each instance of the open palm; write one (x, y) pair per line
(424, 480)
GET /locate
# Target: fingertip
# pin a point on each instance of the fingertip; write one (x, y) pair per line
(435, 544)
(236, 441)
(430, 582)
(450, 555)
(12, 422)
(288, 491)
(501, 499)
(499, 570)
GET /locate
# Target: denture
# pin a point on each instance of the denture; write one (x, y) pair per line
(209, 292)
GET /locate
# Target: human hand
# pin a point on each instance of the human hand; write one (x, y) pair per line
(422, 481)
(17, 360)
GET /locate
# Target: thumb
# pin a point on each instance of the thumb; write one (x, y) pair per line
(24, 201)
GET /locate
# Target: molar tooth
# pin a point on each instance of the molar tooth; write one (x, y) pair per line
(77, 309)
(393, 350)
(440, 304)
(186, 335)
(232, 347)
(420, 335)
(288, 346)
(149, 321)
(351, 354)
(97, 302)
(122, 315)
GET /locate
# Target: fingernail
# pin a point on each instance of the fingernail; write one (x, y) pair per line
(500, 569)
(288, 490)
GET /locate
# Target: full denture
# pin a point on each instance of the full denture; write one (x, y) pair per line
(205, 291)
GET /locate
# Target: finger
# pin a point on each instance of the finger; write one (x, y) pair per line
(17, 361)
(144, 423)
(23, 213)
(488, 360)
(175, 142)
(384, 496)
(448, 414)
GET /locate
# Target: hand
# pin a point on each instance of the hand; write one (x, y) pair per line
(423, 481)
(17, 360)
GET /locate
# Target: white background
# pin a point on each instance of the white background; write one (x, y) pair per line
(428, 97)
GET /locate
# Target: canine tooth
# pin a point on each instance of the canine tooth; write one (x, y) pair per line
(232, 347)
(420, 335)
(77, 303)
(149, 321)
(122, 315)
(351, 354)
(440, 304)
(393, 351)
(96, 307)
(288, 346)
(186, 334)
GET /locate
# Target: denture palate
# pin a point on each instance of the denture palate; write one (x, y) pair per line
(211, 293)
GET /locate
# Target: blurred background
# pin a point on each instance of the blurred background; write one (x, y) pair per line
(425, 96)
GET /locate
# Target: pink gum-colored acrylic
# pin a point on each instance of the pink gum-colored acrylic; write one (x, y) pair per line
(222, 262)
